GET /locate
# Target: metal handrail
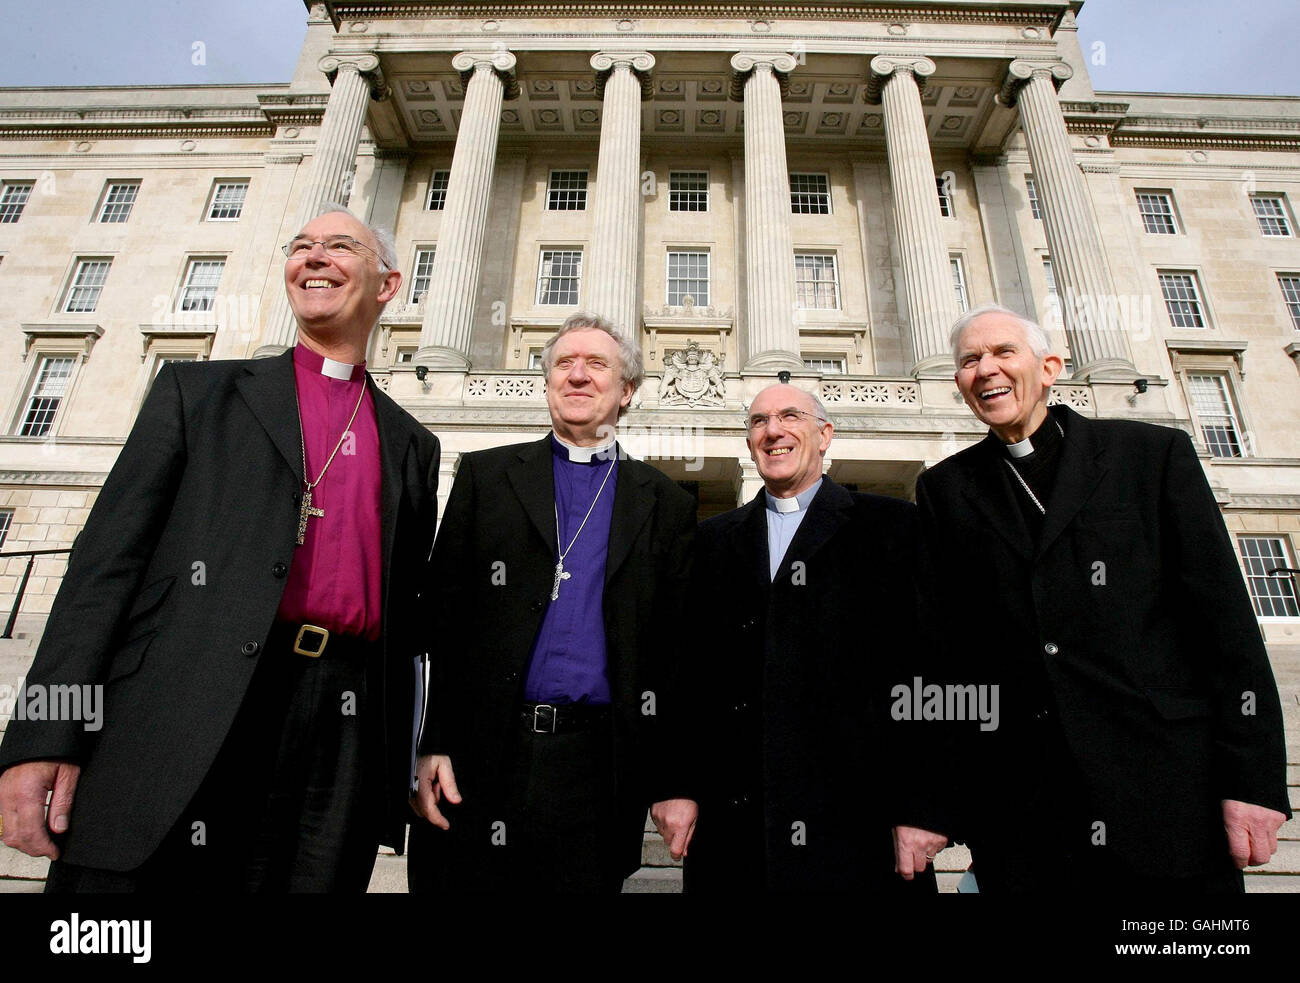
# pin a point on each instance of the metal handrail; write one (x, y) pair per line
(22, 587)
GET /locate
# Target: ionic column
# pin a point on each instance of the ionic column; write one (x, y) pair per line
(1093, 316)
(614, 268)
(773, 337)
(927, 273)
(457, 264)
(356, 79)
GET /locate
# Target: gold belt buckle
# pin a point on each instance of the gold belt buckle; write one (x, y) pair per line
(319, 649)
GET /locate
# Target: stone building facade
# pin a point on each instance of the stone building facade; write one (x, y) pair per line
(746, 187)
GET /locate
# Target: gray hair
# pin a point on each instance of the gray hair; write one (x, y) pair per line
(1034, 334)
(629, 353)
(384, 241)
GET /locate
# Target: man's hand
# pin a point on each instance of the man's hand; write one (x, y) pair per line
(1252, 832)
(23, 789)
(434, 779)
(675, 820)
(914, 848)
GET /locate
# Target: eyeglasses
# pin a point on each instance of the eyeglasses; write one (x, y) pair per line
(334, 246)
(788, 419)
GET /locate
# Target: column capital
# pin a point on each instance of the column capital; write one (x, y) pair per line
(884, 66)
(744, 63)
(640, 63)
(1022, 70)
(499, 60)
(365, 64)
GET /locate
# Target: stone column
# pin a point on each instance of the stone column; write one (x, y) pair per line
(896, 82)
(457, 265)
(1093, 316)
(356, 79)
(773, 337)
(613, 271)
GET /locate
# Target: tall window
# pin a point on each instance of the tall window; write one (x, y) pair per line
(560, 276)
(13, 198)
(202, 277)
(1273, 597)
(1182, 299)
(119, 197)
(1213, 405)
(1270, 213)
(1052, 314)
(1290, 284)
(87, 282)
(162, 360)
(227, 201)
(688, 191)
(51, 385)
(6, 520)
(816, 281)
(688, 276)
(1031, 189)
(959, 283)
(810, 194)
(945, 199)
(1157, 211)
(438, 191)
(422, 274)
(567, 191)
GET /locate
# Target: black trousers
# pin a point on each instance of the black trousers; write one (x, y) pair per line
(552, 832)
(291, 803)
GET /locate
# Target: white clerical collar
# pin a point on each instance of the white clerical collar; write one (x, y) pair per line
(583, 455)
(336, 370)
(1021, 448)
(796, 504)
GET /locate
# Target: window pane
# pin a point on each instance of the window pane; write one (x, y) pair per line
(959, 283)
(1273, 597)
(13, 197)
(567, 191)
(6, 520)
(86, 286)
(688, 275)
(422, 275)
(826, 366)
(1157, 211)
(1214, 410)
(43, 405)
(118, 200)
(1290, 284)
(1182, 300)
(561, 272)
(200, 291)
(945, 202)
(1032, 190)
(1271, 215)
(438, 190)
(816, 285)
(810, 194)
(688, 191)
(228, 200)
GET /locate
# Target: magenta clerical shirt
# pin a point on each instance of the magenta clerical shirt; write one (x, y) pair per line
(335, 578)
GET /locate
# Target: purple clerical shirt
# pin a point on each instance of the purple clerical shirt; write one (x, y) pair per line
(335, 577)
(568, 663)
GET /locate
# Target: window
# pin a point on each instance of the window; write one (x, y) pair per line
(52, 375)
(1270, 213)
(6, 520)
(227, 201)
(13, 197)
(201, 280)
(810, 194)
(1218, 420)
(959, 283)
(438, 191)
(87, 282)
(1290, 284)
(560, 276)
(1049, 275)
(405, 356)
(945, 200)
(825, 364)
(567, 191)
(1157, 211)
(1031, 189)
(535, 358)
(1182, 299)
(162, 360)
(688, 276)
(816, 284)
(1273, 597)
(119, 197)
(688, 191)
(422, 273)
(1052, 314)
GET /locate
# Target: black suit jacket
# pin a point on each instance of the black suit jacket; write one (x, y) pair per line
(211, 475)
(493, 568)
(781, 716)
(1128, 620)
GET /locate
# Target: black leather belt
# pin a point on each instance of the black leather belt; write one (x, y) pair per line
(546, 718)
(313, 641)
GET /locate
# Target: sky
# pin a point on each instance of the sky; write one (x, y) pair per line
(1242, 47)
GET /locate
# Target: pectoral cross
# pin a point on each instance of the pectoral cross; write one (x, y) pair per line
(560, 574)
(307, 512)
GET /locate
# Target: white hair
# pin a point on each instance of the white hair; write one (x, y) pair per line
(631, 365)
(1034, 335)
(386, 245)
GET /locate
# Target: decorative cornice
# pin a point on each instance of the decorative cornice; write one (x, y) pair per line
(87, 479)
(641, 63)
(87, 334)
(883, 66)
(1256, 501)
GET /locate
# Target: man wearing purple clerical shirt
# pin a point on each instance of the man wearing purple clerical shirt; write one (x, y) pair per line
(558, 580)
(245, 592)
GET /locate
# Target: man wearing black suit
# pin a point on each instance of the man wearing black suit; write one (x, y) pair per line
(253, 634)
(787, 772)
(559, 574)
(1084, 567)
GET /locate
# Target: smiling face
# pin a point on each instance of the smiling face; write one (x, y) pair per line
(1003, 382)
(789, 458)
(585, 387)
(338, 299)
